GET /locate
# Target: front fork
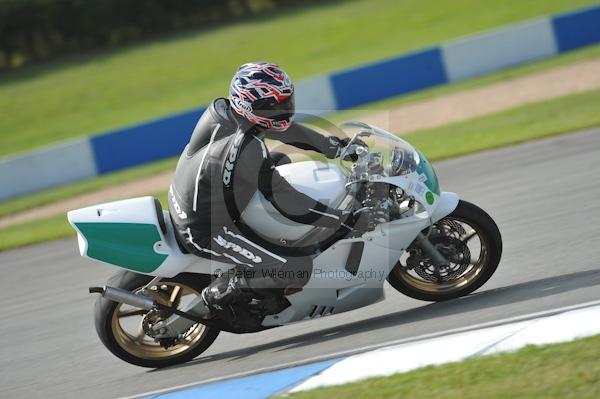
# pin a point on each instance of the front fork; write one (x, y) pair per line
(430, 250)
(438, 260)
(447, 203)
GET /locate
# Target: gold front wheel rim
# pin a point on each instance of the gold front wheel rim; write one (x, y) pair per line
(464, 280)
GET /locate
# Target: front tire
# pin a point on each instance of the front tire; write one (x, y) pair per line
(121, 327)
(470, 239)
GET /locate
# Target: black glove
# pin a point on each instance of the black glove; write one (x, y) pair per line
(336, 145)
(351, 154)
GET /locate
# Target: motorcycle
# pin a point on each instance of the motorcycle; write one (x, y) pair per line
(427, 244)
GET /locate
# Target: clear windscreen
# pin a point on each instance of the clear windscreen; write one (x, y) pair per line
(393, 155)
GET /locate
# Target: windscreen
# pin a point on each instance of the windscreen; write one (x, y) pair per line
(397, 156)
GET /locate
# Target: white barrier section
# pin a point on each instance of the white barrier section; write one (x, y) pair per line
(315, 96)
(47, 167)
(451, 348)
(498, 49)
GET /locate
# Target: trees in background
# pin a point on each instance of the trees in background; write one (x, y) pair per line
(37, 30)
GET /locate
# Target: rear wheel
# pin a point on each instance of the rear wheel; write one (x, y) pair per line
(469, 239)
(125, 330)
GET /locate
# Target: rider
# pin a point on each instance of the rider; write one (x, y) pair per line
(222, 167)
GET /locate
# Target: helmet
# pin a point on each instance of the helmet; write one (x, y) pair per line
(263, 93)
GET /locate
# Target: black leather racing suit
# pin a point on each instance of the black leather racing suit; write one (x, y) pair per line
(225, 163)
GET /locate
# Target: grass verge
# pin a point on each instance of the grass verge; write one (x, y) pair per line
(534, 121)
(521, 124)
(29, 201)
(566, 370)
(92, 93)
(45, 229)
(40, 230)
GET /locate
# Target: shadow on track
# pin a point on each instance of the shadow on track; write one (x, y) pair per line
(485, 299)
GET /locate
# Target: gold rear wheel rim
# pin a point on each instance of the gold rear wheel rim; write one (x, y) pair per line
(127, 329)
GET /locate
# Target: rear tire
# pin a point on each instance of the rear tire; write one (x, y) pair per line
(142, 352)
(406, 281)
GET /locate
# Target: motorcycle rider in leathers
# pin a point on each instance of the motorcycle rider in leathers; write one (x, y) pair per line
(225, 163)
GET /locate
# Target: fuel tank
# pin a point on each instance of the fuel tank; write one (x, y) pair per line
(322, 181)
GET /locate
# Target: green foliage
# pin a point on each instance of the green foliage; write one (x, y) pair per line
(36, 30)
(566, 370)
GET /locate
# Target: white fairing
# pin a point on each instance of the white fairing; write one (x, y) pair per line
(333, 289)
(322, 181)
(446, 205)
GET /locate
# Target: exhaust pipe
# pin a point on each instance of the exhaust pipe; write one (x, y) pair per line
(124, 296)
(140, 301)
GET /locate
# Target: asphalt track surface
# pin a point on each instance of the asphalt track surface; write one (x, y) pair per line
(544, 196)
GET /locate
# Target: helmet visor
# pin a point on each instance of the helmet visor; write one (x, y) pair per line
(273, 109)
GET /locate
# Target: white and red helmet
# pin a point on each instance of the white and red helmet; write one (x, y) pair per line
(263, 93)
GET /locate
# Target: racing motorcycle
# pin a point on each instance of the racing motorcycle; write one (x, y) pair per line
(426, 243)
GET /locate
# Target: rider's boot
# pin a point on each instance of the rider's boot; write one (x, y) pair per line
(223, 292)
(228, 289)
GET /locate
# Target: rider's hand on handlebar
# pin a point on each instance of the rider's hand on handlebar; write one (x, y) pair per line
(350, 153)
(336, 146)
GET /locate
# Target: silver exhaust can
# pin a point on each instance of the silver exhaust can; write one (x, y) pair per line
(123, 296)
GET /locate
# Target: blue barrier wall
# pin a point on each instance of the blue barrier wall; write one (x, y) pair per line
(452, 61)
(577, 29)
(144, 143)
(388, 78)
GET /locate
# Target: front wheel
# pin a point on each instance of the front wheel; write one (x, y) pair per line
(469, 239)
(125, 330)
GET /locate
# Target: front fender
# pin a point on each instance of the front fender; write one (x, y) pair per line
(446, 205)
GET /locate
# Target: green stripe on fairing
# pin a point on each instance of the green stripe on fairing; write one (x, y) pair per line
(128, 245)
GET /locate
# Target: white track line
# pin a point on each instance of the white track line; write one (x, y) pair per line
(366, 348)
